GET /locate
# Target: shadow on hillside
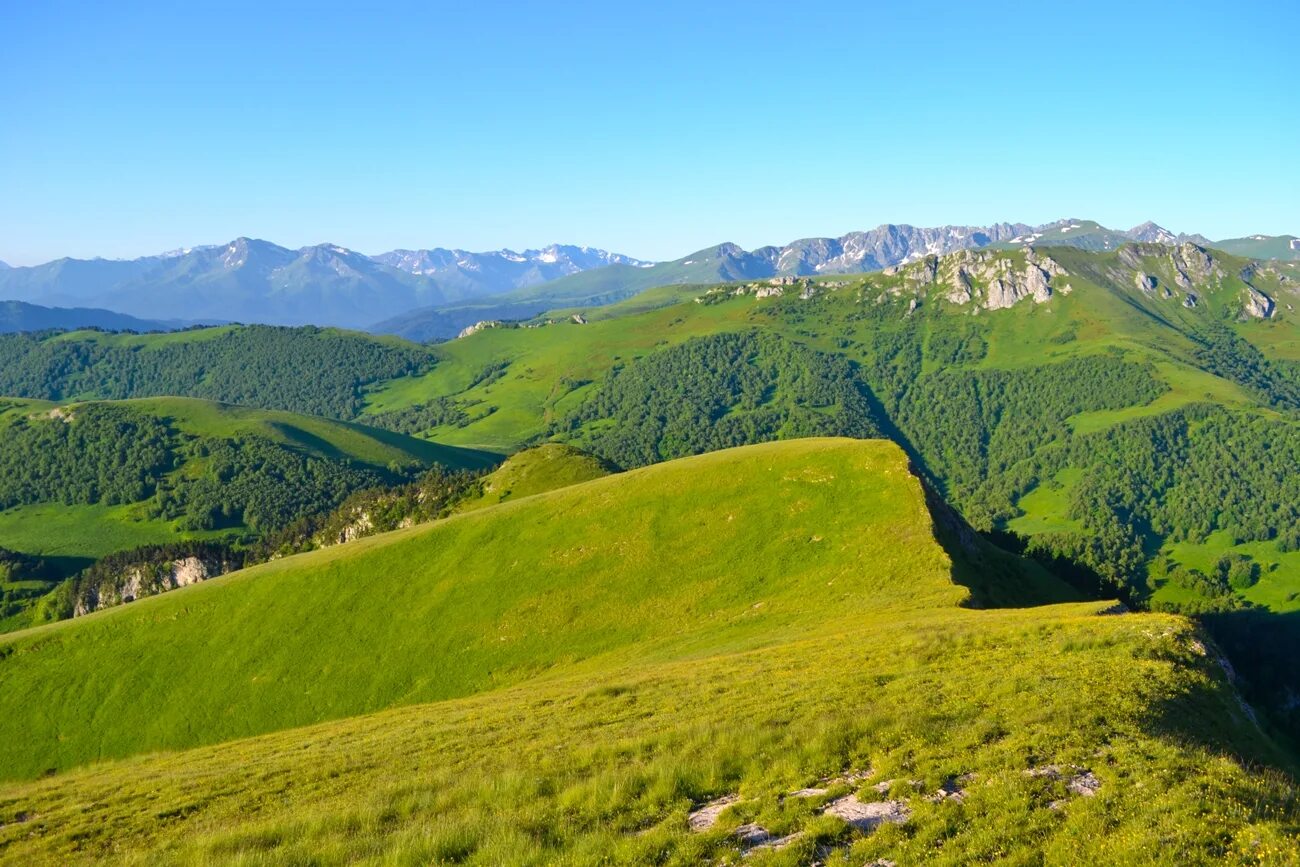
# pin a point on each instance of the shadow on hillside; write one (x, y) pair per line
(66, 565)
(1261, 647)
(1264, 647)
(996, 577)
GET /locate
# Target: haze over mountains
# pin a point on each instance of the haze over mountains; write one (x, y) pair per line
(434, 293)
(20, 316)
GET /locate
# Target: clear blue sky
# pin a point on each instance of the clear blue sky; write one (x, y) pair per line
(130, 128)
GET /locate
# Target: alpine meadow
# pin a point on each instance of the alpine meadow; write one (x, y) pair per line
(964, 540)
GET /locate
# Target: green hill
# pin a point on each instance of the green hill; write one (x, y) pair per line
(84, 480)
(1262, 246)
(565, 677)
(547, 467)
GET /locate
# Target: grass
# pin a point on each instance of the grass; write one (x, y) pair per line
(545, 468)
(79, 534)
(324, 437)
(1046, 506)
(480, 596)
(1279, 584)
(558, 679)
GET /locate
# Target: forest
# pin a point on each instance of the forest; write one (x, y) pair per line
(309, 370)
(717, 392)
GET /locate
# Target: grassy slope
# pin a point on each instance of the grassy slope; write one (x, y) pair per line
(747, 621)
(548, 467)
(471, 603)
(1267, 247)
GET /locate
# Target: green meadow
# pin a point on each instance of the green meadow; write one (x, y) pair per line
(604, 658)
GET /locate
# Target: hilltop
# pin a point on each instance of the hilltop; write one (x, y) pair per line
(789, 651)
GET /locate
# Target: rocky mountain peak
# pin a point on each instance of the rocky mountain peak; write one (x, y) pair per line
(1151, 232)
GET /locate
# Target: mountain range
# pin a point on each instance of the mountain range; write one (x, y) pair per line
(885, 246)
(20, 316)
(256, 281)
(434, 293)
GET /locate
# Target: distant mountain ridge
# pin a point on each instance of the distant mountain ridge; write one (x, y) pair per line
(885, 246)
(256, 281)
(503, 269)
(434, 293)
(20, 316)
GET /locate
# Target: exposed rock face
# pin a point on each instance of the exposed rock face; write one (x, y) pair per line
(705, 817)
(1004, 280)
(360, 527)
(1257, 304)
(776, 286)
(1130, 257)
(1146, 283)
(142, 580)
(477, 327)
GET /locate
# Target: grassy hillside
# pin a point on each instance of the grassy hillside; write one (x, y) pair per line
(545, 468)
(1027, 381)
(1262, 246)
(606, 658)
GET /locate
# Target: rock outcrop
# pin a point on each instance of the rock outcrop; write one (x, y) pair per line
(1256, 304)
(148, 579)
(477, 327)
(1005, 281)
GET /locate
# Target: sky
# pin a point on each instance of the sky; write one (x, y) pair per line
(652, 129)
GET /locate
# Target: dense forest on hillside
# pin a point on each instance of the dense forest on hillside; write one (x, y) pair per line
(112, 454)
(717, 392)
(99, 454)
(259, 484)
(416, 419)
(308, 370)
(987, 437)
